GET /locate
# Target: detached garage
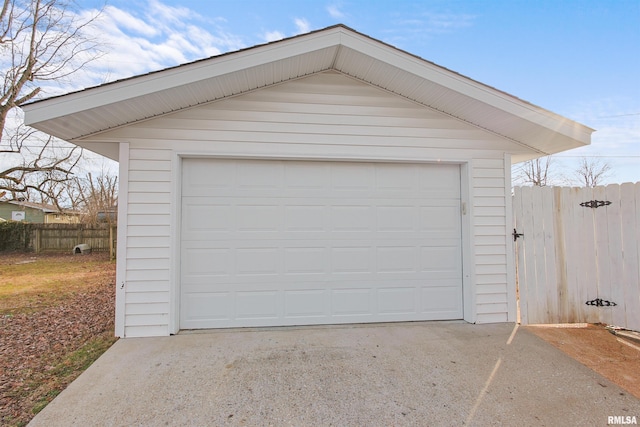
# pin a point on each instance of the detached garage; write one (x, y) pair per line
(323, 179)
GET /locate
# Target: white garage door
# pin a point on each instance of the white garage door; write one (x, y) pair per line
(266, 243)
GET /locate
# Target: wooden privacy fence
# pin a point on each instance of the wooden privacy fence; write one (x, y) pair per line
(64, 237)
(578, 257)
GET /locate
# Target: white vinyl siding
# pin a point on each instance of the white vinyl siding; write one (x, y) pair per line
(148, 243)
(324, 116)
(490, 226)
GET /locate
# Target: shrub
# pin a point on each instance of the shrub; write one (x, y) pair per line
(14, 236)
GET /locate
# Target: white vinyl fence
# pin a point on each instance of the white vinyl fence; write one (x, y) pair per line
(579, 254)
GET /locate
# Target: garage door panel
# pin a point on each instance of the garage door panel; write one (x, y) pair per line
(300, 218)
(351, 176)
(396, 259)
(352, 217)
(208, 262)
(209, 305)
(305, 260)
(257, 217)
(351, 259)
(207, 217)
(397, 300)
(321, 305)
(441, 182)
(257, 305)
(255, 174)
(306, 303)
(440, 259)
(421, 262)
(240, 177)
(308, 198)
(333, 237)
(352, 302)
(288, 242)
(322, 215)
(397, 176)
(440, 219)
(397, 218)
(222, 176)
(257, 261)
(441, 299)
(307, 175)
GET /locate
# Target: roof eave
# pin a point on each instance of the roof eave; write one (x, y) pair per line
(553, 133)
(155, 82)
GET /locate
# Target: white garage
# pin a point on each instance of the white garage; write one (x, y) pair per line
(326, 178)
(268, 242)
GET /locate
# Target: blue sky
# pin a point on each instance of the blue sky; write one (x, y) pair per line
(577, 58)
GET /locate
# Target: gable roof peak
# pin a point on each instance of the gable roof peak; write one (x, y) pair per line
(72, 117)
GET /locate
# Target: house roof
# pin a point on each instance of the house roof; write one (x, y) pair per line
(81, 116)
(46, 208)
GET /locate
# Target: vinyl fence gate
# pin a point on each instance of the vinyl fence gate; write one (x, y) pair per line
(578, 254)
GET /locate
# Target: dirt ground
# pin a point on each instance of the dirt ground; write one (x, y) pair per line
(615, 358)
(56, 317)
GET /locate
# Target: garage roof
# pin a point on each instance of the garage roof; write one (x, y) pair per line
(80, 116)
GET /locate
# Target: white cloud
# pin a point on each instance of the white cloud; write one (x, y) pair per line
(271, 36)
(136, 41)
(127, 22)
(335, 12)
(617, 137)
(420, 26)
(169, 14)
(435, 23)
(447, 22)
(616, 120)
(302, 25)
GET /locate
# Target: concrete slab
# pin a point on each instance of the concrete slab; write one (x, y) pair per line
(416, 374)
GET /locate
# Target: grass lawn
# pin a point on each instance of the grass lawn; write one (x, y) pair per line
(56, 318)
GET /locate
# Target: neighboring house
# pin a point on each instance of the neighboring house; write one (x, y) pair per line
(38, 213)
(321, 179)
(108, 215)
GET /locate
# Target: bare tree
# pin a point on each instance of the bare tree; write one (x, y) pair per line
(37, 167)
(96, 197)
(592, 171)
(537, 172)
(40, 41)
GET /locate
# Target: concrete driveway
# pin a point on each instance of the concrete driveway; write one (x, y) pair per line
(414, 374)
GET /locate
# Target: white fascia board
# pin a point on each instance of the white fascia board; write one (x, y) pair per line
(467, 86)
(178, 76)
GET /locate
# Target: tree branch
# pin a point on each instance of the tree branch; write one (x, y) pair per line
(40, 40)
